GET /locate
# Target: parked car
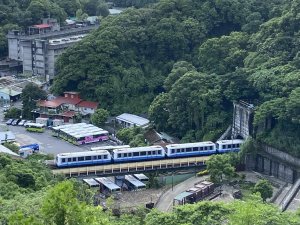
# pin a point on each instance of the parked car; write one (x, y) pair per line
(22, 122)
(15, 122)
(8, 122)
(5, 108)
(28, 121)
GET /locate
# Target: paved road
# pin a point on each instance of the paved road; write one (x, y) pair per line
(165, 202)
(48, 143)
(295, 203)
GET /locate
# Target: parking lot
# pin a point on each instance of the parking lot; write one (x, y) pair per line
(48, 143)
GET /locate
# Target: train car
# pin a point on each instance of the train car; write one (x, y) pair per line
(225, 146)
(190, 149)
(138, 153)
(109, 147)
(83, 158)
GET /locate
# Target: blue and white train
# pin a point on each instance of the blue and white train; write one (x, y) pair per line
(147, 153)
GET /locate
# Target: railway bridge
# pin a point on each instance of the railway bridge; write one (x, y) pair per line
(134, 167)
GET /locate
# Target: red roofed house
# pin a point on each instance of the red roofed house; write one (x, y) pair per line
(65, 107)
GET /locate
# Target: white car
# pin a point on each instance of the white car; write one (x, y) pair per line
(28, 121)
(22, 122)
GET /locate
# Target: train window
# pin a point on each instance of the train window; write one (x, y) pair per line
(210, 147)
(229, 146)
(105, 156)
(74, 159)
(159, 152)
(188, 149)
(136, 154)
(173, 150)
(125, 154)
(88, 158)
(119, 155)
(99, 157)
(233, 146)
(237, 145)
(205, 148)
(143, 153)
(195, 149)
(80, 158)
(201, 148)
(153, 152)
(69, 159)
(129, 154)
(94, 157)
(63, 160)
(149, 153)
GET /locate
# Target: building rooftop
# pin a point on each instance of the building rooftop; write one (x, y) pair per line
(59, 101)
(183, 195)
(141, 176)
(7, 136)
(108, 183)
(10, 91)
(115, 11)
(42, 26)
(5, 150)
(133, 119)
(88, 104)
(134, 181)
(91, 182)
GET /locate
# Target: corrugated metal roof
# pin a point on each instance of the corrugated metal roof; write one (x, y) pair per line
(108, 183)
(183, 195)
(7, 135)
(133, 119)
(5, 150)
(10, 91)
(91, 182)
(134, 181)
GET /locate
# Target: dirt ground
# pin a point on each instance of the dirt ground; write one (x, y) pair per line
(128, 200)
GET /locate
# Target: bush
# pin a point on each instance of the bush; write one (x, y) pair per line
(202, 173)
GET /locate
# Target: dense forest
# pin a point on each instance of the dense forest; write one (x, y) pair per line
(185, 61)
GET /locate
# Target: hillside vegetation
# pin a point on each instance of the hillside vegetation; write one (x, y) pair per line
(189, 60)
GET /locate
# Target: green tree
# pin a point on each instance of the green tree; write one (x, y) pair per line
(13, 112)
(255, 212)
(220, 168)
(61, 207)
(30, 95)
(265, 189)
(99, 117)
(18, 218)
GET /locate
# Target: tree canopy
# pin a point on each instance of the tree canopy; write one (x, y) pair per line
(185, 61)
